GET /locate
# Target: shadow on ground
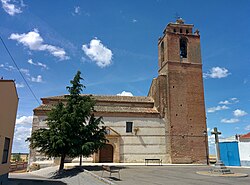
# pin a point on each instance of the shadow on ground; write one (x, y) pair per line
(67, 173)
(99, 168)
(114, 179)
(15, 181)
(106, 174)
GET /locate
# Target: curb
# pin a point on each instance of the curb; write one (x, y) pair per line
(232, 175)
(99, 178)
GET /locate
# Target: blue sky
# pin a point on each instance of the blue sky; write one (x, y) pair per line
(114, 45)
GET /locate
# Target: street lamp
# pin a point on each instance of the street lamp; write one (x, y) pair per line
(206, 146)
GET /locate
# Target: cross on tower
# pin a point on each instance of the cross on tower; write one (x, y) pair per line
(216, 134)
(177, 16)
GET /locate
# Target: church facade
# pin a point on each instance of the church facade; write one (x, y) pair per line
(169, 123)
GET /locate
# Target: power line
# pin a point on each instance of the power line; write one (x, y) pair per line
(19, 71)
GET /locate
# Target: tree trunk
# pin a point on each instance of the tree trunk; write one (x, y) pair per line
(80, 160)
(62, 162)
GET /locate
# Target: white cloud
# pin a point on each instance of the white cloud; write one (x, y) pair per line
(124, 93)
(216, 72)
(37, 79)
(21, 85)
(232, 120)
(226, 102)
(247, 127)
(230, 101)
(239, 113)
(218, 108)
(10, 8)
(22, 132)
(7, 67)
(24, 120)
(208, 129)
(25, 71)
(235, 100)
(44, 66)
(34, 41)
(98, 53)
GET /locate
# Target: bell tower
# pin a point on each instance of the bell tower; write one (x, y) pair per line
(179, 44)
(179, 95)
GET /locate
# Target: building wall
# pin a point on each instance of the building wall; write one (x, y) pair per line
(244, 151)
(148, 142)
(8, 109)
(38, 122)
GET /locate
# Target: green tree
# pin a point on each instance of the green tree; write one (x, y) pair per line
(72, 129)
(17, 157)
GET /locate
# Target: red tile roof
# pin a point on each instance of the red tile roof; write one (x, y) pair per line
(245, 136)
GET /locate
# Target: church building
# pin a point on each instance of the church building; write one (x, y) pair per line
(169, 123)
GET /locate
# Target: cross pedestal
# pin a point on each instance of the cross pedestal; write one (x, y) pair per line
(219, 165)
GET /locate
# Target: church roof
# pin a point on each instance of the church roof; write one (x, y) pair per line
(143, 99)
(48, 107)
(119, 105)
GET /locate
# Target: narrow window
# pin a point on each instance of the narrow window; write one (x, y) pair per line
(180, 30)
(162, 51)
(183, 48)
(187, 32)
(129, 126)
(174, 30)
(6, 150)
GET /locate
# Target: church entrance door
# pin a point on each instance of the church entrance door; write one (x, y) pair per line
(106, 154)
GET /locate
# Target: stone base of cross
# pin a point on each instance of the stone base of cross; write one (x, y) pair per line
(219, 165)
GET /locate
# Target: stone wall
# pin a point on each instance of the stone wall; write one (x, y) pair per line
(147, 142)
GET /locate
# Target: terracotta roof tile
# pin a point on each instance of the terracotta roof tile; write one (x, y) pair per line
(144, 99)
(112, 109)
(245, 136)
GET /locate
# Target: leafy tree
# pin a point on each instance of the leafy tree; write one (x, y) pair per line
(17, 157)
(72, 129)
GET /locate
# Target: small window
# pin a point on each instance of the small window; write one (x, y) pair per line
(174, 30)
(180, 30)
(6, 150)
(129, 126)
(162, 51)
(187, 32)
(183, 48)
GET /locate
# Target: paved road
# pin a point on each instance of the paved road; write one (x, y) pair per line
(47, 176)
(172, 175)
(29, 179)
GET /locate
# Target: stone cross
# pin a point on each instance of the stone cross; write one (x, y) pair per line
(217, 133)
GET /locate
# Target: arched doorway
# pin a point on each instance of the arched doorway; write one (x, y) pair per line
(106, 154)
